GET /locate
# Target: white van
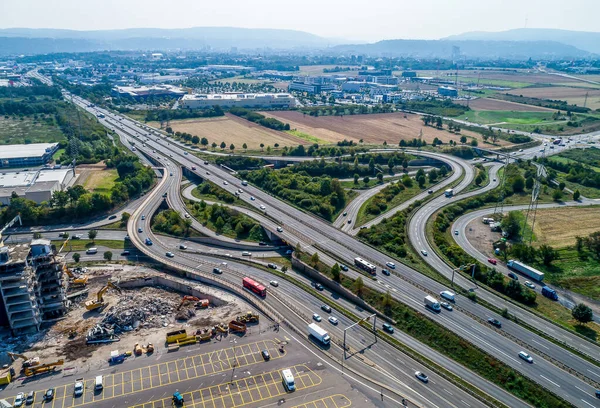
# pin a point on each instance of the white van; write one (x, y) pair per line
(447, 295)
(288, 380)
(92, 251)
(98, 383)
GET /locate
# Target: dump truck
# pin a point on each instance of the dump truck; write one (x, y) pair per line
(432, 303)
(317, 332)
(248, 317)
(116, 357)
(173, 336)
(187, 340)
(99, 302)
(235, 326)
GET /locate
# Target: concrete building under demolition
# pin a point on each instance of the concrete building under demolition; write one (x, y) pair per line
(32, 287)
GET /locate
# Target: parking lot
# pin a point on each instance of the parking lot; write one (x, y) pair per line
(161, 374)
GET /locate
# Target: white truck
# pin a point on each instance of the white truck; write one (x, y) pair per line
(525, 270)
(449, 192)
(447, 295)
(432, 303)
(319, 333)
(488, 220)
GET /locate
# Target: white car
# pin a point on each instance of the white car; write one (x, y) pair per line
(187, 215)
(19, 399)
(421, 376)
(246, 253)
(262, 207)
(143, 217)
(529, 285)
(274, 283)
(170, 254)
(446, 306)
(78, 390)
(391, 265)
(525, 357)
(279, 229)
(185, 153)
(252, 198)
(182, 246)
(225, 183)
(316, 317)
(424, 252)
(333, 320)
(455, 232)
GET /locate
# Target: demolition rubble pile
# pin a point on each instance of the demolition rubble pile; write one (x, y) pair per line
(140, 310)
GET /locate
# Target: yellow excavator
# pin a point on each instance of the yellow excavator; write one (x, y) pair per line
(28, 362)
(43, 368)
(99, 302)
(76, 280)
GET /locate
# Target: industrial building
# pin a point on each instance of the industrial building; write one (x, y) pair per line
(36, 185)
(25, 155)
(312, 85)
(447, 91)
(143, 92)
(32, 288)
(241, 100)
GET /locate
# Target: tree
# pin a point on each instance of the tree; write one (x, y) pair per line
(92, 234)
(405, 164)
(108, 255)
(387, 301)
(391, 164)
(223, 145)
(219, 224)
(262, 145)
(478, 179)
(582, 313)
(276, 146)
(314, 260)
(371, 165)
(214, 145)
(76, 257)
(356, 177)
(359, 286)
(284, 269)
(557, 195)
(421, 180)
(518, 184)
(576, 195)
(547, 254)
(463, 139)
(335, 272)
(366, 180)
(561, 186)
(245, 146)
(529, 183)
(204, 142)
(125, 218)
(195, 139)
(380, 177)
(232, 147)
(511, 225)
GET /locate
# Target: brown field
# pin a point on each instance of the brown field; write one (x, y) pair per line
(496, 104)
(373, 129)
(574, 96)
(558, 227)
(519, 76)
(231, 129)
(318, 70)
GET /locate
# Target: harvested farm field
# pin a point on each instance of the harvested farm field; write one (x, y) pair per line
(232, 129)
(499, 105)
(574, 96)
(372, 128)
(558, 227)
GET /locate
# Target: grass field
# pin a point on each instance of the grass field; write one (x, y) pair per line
(101, 181)
(15, 131)
(372, 128)
(490, 104)
(486, 117)
(57, 154)
(558, 227)
(84, 244)
(572, 95)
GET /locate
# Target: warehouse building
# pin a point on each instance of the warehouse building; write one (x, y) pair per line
(34, 185)
(447, 91)
(143, 92)
(240, 100)
(25, 155)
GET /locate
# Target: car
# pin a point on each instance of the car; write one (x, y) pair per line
(217, 271)
(429, 191)
(185, 153)
(49, 395)
(326, 308)
(520, 150)
(424, 252)
(421, 376)
(344, 268)
(205, 162)
(391, 264)
(177, 398)
(345, 213)
(265, 355)
(349, 221)
(263, 243)
(251, 198)
(513, 276)
(112, 217)
(126, 238)
(153, 151)
(455, 232)
(240, 191)
(78, 390)
(492, 261)
(77, 236)
(526, 357)
(148, 241)
(385, 272)
(225, 183)
(208, 173)
(272, 265)
(246, 253)
(318, 286)
(19, 400)
(597, 393)
(170, 254)
(140, 230)
(182, 246)
(143, 217)
(333, 320)
(193, 167)
(529, 285)
(494, 179)
(125, 253)
(186, 215)
(388, 328)
(279, 229)
(30, 398)
(262, 207)
(289, 252)
(495, 322)
(446, 305)
(274, 283)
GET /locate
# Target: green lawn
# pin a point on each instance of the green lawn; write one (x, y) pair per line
(57, 154)
(587, 192)
(84, 244)
(510, 117)
(28, 130)
(372, 182)
(306, 136)
(493, 82)
(102, 181)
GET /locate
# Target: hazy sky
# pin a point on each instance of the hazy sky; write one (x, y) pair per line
(368, 20)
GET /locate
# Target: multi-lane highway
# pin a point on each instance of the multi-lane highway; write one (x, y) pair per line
(312, 233)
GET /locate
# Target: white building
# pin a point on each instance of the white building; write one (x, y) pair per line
(34, 185)
(240, 100)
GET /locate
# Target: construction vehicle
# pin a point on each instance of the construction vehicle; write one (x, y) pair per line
(99, 302)
(43, 368)
(149, 348)
(137, 349)
(249, 317)
(187, 340)
(28, 362)
(173, 336)
(101, 334)
(116, 358)
(75, 280)
(235, 326)
(221, 328)
(201, 303)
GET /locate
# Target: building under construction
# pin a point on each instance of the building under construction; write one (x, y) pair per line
(32, 287)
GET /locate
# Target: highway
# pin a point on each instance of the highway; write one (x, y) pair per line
(320, 235)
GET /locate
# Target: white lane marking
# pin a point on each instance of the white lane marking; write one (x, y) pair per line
(584, 391)
(540, 344)
(448, 391)
(464, 402)
(550, 381)
(594, 373)
(587, 402)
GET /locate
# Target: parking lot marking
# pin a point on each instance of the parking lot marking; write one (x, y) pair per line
(231, 395)
(333, 401)
(126, 382)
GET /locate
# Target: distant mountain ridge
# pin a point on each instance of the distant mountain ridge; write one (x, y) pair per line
(584, 40)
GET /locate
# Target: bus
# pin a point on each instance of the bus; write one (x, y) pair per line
(254, 286)
(365, 266)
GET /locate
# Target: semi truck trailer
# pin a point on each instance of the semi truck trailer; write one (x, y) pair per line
(318, 333)
(525, 270)
(432, 303)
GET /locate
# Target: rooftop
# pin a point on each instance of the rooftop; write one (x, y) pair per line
(236, 96)
(25, 150)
